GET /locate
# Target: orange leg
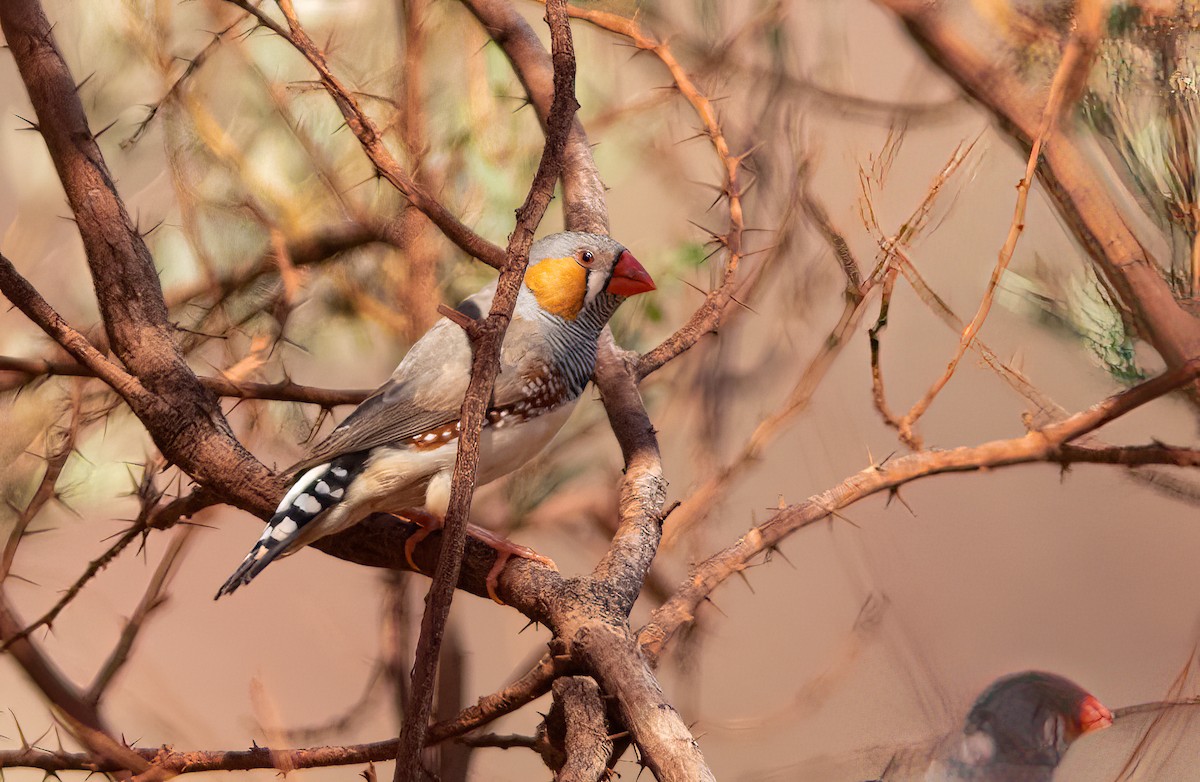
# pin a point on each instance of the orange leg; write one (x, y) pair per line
(505, 549)
(427, 524)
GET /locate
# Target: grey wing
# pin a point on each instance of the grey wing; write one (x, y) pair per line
(426, 390)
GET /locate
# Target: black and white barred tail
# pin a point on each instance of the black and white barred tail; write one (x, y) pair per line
(313, 493)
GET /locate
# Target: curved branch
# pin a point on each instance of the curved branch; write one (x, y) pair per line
(486, 339)
(183, 417)
(709, 315)
(1082, 197)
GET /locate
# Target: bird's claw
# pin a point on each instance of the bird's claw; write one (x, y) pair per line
(505, 549)
(427, 524)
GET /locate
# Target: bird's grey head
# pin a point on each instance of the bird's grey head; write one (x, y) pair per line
(572, 273)
(1031, 718)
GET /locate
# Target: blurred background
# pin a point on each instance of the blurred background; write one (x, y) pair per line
(863, 633)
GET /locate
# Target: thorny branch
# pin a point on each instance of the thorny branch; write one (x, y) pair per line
(56, 459)
(1064, 91)
(1052, 444)
(708, 317)
(1081, 195)
(284, 391)
(152, 600)
(700, 503)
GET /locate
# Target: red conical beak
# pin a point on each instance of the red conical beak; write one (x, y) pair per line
(1093, 715)
(629, 278)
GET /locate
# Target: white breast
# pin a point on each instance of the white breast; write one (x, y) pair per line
(397, 478)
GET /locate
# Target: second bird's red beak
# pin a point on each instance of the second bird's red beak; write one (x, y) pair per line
(629, 277)
(1093, 715)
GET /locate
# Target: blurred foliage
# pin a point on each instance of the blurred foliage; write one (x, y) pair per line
(1142, 103)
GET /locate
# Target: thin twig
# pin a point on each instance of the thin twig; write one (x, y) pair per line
(1077, 60)
(151, 600)
(708, 317)
(56, 459)
(1051, 444)
(486, 337)
(283, 391)
(700, 502)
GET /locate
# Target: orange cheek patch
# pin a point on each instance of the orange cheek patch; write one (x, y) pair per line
(559, 284)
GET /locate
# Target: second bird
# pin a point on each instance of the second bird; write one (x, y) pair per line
(397, 449)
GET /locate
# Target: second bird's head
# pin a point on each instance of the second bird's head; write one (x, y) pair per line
(572, 273)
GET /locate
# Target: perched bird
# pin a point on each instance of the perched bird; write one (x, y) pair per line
(1017, 731)
(397, 449)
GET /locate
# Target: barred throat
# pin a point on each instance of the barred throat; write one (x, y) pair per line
(573, 342)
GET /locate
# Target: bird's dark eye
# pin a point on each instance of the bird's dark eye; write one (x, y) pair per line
(586, 257)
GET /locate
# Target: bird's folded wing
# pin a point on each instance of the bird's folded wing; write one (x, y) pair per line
(425, 393)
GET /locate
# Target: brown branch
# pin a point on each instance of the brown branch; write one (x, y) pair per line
(498, 741)
(696, 507)
(171, 762)
(1048, 409)
(532, 685)
(310, 250)
(486, 338)
(819, 217)
(193, 65)
(283, 391)
(368, 135)
(603, 599)
(127, 287)
(183, 418)
(708, 317)
(161, 516)
(23, 295)
(1064, 90)
(643, 488)
(586, 741)
(80, 716)
(1081, 194)
(667, 747)
(568, 607)
(94, 567)
(873, 334)
(1051, 444)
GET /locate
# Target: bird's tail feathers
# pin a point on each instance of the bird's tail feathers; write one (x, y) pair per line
(314, 492)
(262, 553)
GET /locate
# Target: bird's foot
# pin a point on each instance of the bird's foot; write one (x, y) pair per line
(505, 550)
(427, 524)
